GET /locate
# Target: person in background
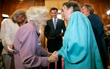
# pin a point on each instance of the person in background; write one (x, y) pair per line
(2, 66)
(4, 16)
(30, 53)
(97, 26)
(79, 50)
(54, 32)
(9, 28)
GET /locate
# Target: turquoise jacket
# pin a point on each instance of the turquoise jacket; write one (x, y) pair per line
(80, 50)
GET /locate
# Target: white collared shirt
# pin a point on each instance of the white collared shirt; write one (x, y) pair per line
(56, 20)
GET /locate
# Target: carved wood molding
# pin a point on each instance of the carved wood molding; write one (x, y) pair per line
(55, 0)
(17, 1)
(90, 0)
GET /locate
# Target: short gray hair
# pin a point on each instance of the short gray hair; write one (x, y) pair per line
(89, 8)
(35, 12)
(73, 4)
(15, 15)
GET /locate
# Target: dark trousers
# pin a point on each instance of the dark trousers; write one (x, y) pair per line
(12, 66)
(104, 61)
(1, 47)
(55, 45)
(59, 64)
(52, 65)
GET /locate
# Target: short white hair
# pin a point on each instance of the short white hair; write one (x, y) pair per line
(35, 12)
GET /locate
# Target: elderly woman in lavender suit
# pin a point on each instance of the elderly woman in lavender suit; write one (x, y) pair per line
(27, 43)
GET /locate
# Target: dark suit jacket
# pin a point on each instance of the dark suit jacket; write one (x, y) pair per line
(56, 43)
(97, 26)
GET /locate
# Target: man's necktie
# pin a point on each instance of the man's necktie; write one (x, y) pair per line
(54, 23)
(38, 34)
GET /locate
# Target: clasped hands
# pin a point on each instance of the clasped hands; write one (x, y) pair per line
(53, 57)
(55, 36)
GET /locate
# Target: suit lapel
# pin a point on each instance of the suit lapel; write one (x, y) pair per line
(51, 22)
(57, 23)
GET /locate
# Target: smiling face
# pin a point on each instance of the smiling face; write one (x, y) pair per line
(85, 11)
(54, 13)
(21, 19)
(66, 12)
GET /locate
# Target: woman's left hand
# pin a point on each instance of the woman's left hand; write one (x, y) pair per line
(10, 51)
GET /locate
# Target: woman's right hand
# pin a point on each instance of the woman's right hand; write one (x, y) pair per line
(53, 57)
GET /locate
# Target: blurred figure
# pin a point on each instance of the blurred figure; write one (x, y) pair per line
(2, 66)
(1, 46)
(27, 43)
(98, 30)
(9, 28)
(80, 50)
(54, 32)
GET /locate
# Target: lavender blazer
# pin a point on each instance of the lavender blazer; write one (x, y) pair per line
(28, 47)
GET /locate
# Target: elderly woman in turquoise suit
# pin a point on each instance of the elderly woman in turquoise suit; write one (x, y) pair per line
(79, 50)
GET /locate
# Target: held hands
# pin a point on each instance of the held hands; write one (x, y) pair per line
(53, 57)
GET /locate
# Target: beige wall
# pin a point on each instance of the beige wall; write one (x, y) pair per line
(54, 3)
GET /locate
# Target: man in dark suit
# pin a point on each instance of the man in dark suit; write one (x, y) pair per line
(97, 26)
(54, 32)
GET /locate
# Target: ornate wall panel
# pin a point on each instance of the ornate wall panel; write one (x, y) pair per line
(0, 12)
